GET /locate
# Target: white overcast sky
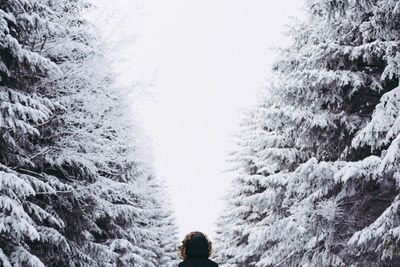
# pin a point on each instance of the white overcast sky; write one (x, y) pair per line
(206, 59)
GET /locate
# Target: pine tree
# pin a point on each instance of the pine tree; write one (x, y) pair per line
(23, 110)
(318, 159)
(76, 183)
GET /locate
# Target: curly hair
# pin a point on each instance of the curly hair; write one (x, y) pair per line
(182, 248)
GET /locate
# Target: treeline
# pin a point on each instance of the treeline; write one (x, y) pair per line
(76, 185)
(319, 156)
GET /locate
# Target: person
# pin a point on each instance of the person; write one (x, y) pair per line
(195, 251)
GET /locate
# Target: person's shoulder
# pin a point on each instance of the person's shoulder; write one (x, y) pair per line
(182, 264)
(213, 263)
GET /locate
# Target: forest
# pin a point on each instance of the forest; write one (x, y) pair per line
(77, 188)
(319, 156)
(317, 165)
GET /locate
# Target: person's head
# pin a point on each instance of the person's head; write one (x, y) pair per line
(195, 244)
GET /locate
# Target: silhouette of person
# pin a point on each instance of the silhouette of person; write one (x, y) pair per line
(195, 251)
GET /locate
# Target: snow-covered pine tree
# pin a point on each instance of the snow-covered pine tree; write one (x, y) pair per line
(266, 154)
(75, 189)
(165, 227)
(23, 25)
(335, 99)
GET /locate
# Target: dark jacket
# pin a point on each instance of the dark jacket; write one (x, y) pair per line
(197, 250)
(198, 262)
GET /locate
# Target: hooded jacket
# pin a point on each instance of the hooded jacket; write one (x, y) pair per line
(195, 251)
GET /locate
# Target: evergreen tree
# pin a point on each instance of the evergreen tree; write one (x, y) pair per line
(77, 187)
(318, 158)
